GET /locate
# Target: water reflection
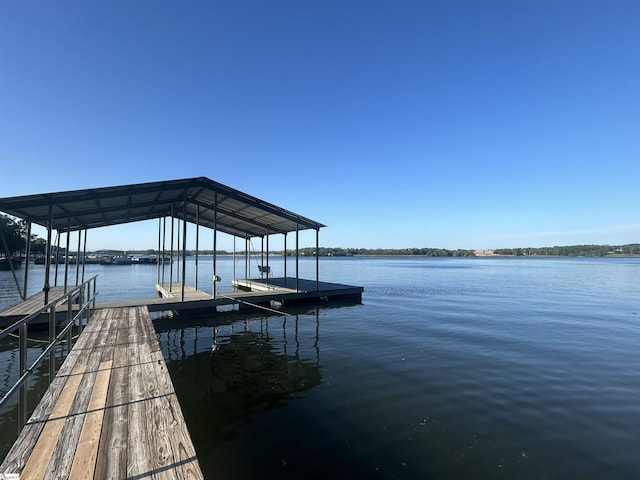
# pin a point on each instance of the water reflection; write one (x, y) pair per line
(36, 385)
(227, 372)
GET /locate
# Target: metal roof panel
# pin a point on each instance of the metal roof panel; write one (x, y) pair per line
(238, 213)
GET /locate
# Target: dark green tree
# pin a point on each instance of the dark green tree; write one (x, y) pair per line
(13, 232)
(38, 245)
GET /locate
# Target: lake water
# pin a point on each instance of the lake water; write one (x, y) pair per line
(514, 368)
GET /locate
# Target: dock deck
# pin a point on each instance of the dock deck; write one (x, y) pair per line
(111, 411)
(15, 312)
(255, 291)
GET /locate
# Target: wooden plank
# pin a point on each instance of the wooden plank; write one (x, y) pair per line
(112, 450)
(173, 454)
(139, 450)
(44, 448)
(62, 459)
(120, 417)
(84, 462)
(22, 448)
(32, 303)
(170, 420)
(174, 290)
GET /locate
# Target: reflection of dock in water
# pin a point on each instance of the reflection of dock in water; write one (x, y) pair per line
(240, 369)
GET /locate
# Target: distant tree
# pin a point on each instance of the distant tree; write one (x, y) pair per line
(13, 232)
(38, 245)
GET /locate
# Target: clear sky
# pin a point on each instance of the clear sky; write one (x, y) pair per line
(453, 124)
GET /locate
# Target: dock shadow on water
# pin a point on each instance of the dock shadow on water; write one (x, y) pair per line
(231, 375)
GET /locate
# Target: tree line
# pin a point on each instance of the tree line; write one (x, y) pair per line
(573, 250)
(350, 252)
(14, 232)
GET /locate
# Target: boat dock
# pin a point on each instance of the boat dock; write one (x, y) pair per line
(250, 292)
(15, 312)
(110, 412)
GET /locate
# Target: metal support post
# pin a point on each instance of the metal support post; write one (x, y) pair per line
(317, 259)
(214, 288)
(81, 304)
(84, 253)
(246, 258)
(234, 257)
(197, 242)
(178, 252)
(66, 259)
(47, 261)
(78, 257)
(184, 250)
(171, 255)
(158, 251)
(55, 280)
(297, 257)
(52, 336)
(23, 369)
(69, 319)
(164, 241)
(25, 285)
(267, 257)
(285, 259)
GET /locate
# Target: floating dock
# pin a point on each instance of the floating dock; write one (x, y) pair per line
(111, 411)
(250, 292)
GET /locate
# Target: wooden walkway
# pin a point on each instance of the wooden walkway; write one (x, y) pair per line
(19, 310)
(111, 411)
(256, 291)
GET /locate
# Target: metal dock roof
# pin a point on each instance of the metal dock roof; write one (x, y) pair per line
(214, 204)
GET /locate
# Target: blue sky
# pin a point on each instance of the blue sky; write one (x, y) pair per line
(453, 124)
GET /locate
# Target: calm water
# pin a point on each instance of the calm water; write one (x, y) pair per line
(451, 368)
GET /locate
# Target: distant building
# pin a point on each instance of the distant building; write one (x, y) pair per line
(484, 253)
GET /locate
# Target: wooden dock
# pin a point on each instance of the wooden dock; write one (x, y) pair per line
(111, 411)
(249, 292)
(174, 291)
(15, 312)
(252, 291)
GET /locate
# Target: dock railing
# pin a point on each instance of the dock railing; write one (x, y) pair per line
(85, 296)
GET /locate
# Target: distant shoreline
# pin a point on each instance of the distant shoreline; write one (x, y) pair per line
(570, 251)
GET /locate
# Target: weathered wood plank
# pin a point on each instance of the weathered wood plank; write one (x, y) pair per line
(85, 458)
(174, 290)
(91, 356)
(32, 303)
(46, 444)
(122, 417)
(112, 450)
(139, 450)
(170, 421)
(22, 448)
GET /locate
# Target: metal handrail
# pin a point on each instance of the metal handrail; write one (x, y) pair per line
(85, 306)
(5, 332)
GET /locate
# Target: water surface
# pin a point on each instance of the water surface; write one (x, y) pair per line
(451, 368)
